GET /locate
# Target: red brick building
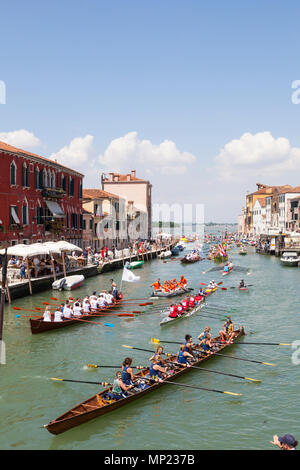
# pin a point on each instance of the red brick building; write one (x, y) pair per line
(40, 199)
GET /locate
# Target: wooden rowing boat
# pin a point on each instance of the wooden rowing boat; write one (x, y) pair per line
(167, 319)
(173, 293)
(38, 325)
(227, 272)
(186, 260)
(97, 405)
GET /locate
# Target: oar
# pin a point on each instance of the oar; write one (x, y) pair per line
(221, 373)
(242, 359)
(267, 344)
(94, 322)
(237, 287)
(196, 388)
(25, 309)
(96, 366)
(146, 350)
(104, 384)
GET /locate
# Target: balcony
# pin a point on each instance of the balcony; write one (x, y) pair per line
(53, 193)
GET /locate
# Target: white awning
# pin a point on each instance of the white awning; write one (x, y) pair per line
(55, 209)
(14, 215)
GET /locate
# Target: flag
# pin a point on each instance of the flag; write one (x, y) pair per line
(128, 276)
(221, 250)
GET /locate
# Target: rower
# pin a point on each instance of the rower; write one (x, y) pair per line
(206, 343)
(156, 285)
(77, 309)
(119, 389)
(58, 315)
(158, 354)
(242, 284)
(155, 370)
(201, 292)
(226, 268)
(86, 306)
(191, 301)
(212, 285)
(188, 345)
(227, 331)
(68, 312)
(173, 311)
(101, 301)
(127, 372)
(47, 314)
(185, 305)
(202, 335)
(179, 309)
(183, 281)
(183, 356)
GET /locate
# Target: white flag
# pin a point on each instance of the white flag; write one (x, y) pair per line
(128, 276)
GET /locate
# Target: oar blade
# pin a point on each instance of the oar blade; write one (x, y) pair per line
(233, 393)
(252, 380)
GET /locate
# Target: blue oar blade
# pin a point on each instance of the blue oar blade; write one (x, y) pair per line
(109, 324)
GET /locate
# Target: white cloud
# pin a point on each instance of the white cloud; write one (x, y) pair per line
(21, 139)
(78, 152)
(256, 153)
(129, 150)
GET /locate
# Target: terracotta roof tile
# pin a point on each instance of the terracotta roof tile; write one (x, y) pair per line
(10, 149)
(98, 194)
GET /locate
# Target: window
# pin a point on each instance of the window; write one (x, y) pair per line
(39, 215)
(71, 186)
(80, 190)
(13, 174)
(25, 176)
(41, 182)
(25, 214)
(13, 215)
(91, 224)
(64, 183)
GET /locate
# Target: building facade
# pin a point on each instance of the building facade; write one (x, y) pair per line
(40, 199)
(137, 193)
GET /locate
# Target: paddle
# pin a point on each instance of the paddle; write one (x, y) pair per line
(104, 384)
(111, 325)
(193, 386)
(268, 344)
(221, 373)
(238, 287)
(96, 366)
(146, 350)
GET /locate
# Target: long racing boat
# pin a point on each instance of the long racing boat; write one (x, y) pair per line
(99, 405)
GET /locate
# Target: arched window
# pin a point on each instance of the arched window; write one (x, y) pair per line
(25, 212)
(45, 178)
(13, 173)
(25, 175)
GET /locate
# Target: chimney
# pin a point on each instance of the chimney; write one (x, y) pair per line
(133, 173)
(111, 176)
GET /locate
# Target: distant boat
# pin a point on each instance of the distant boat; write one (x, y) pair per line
(290, 258)
(135, 264)
(69, 282)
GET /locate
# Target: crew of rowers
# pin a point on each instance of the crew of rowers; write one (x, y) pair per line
(77, 307)
(190, 302)
(169, 286)
(127, 383)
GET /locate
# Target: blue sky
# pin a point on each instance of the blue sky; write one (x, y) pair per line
(134, 74)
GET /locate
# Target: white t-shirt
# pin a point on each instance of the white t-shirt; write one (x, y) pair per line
(101, 302)
(86, 307)
(94, 304)
(67, 312)
(109, 298)
(47, 315)
(77, 310)
(58, 315)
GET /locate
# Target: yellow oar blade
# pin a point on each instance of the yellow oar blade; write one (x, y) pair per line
(55, 378)
(268, 364)
(234, 394)
(253, 380)
(92, 366)
(126, 346)
(285, 344)
(155, 341)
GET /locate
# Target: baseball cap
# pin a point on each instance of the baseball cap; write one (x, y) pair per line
(287, 439)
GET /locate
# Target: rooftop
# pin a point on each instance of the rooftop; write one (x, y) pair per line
(23, 153)
(119, 178)
(98, 194)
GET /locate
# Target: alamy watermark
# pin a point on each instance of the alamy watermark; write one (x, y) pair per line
(2, 92)
(296, 353)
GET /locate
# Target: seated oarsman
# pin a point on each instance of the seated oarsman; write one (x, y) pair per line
(185, 305)
(198, 298)
(191, 301)
(67, 312)
(109, 298)
(94, 303)
(202, 292)
(242, 284)
(212, 285)
(86, 307)
(101, 303)
(158, 354)
(47, 314)
(179, 309)
(206, 344)
(202, 335)
(166, 286)
(226, 268)
(156, 371)
(58, 315)
(93, 296)
(183, 281)
(184, 357)
(77, 309)
(127, 372)
(188, 345)
(156, 285)
(173, 311)
(227, 333)
(119, 389)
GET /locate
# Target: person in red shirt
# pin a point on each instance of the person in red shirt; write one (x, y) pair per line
(179, 309)
(198, 298)
(173, 311)
(185, 304)
(191, 302)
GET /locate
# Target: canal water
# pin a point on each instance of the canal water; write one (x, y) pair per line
(172, 417)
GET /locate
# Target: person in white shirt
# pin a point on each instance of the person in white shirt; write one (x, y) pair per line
(109, 298)
(94, 303)
(47, 314)
(77, 309)
(68, 312)
(86, 307)
(101, 301)
(58, 316)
